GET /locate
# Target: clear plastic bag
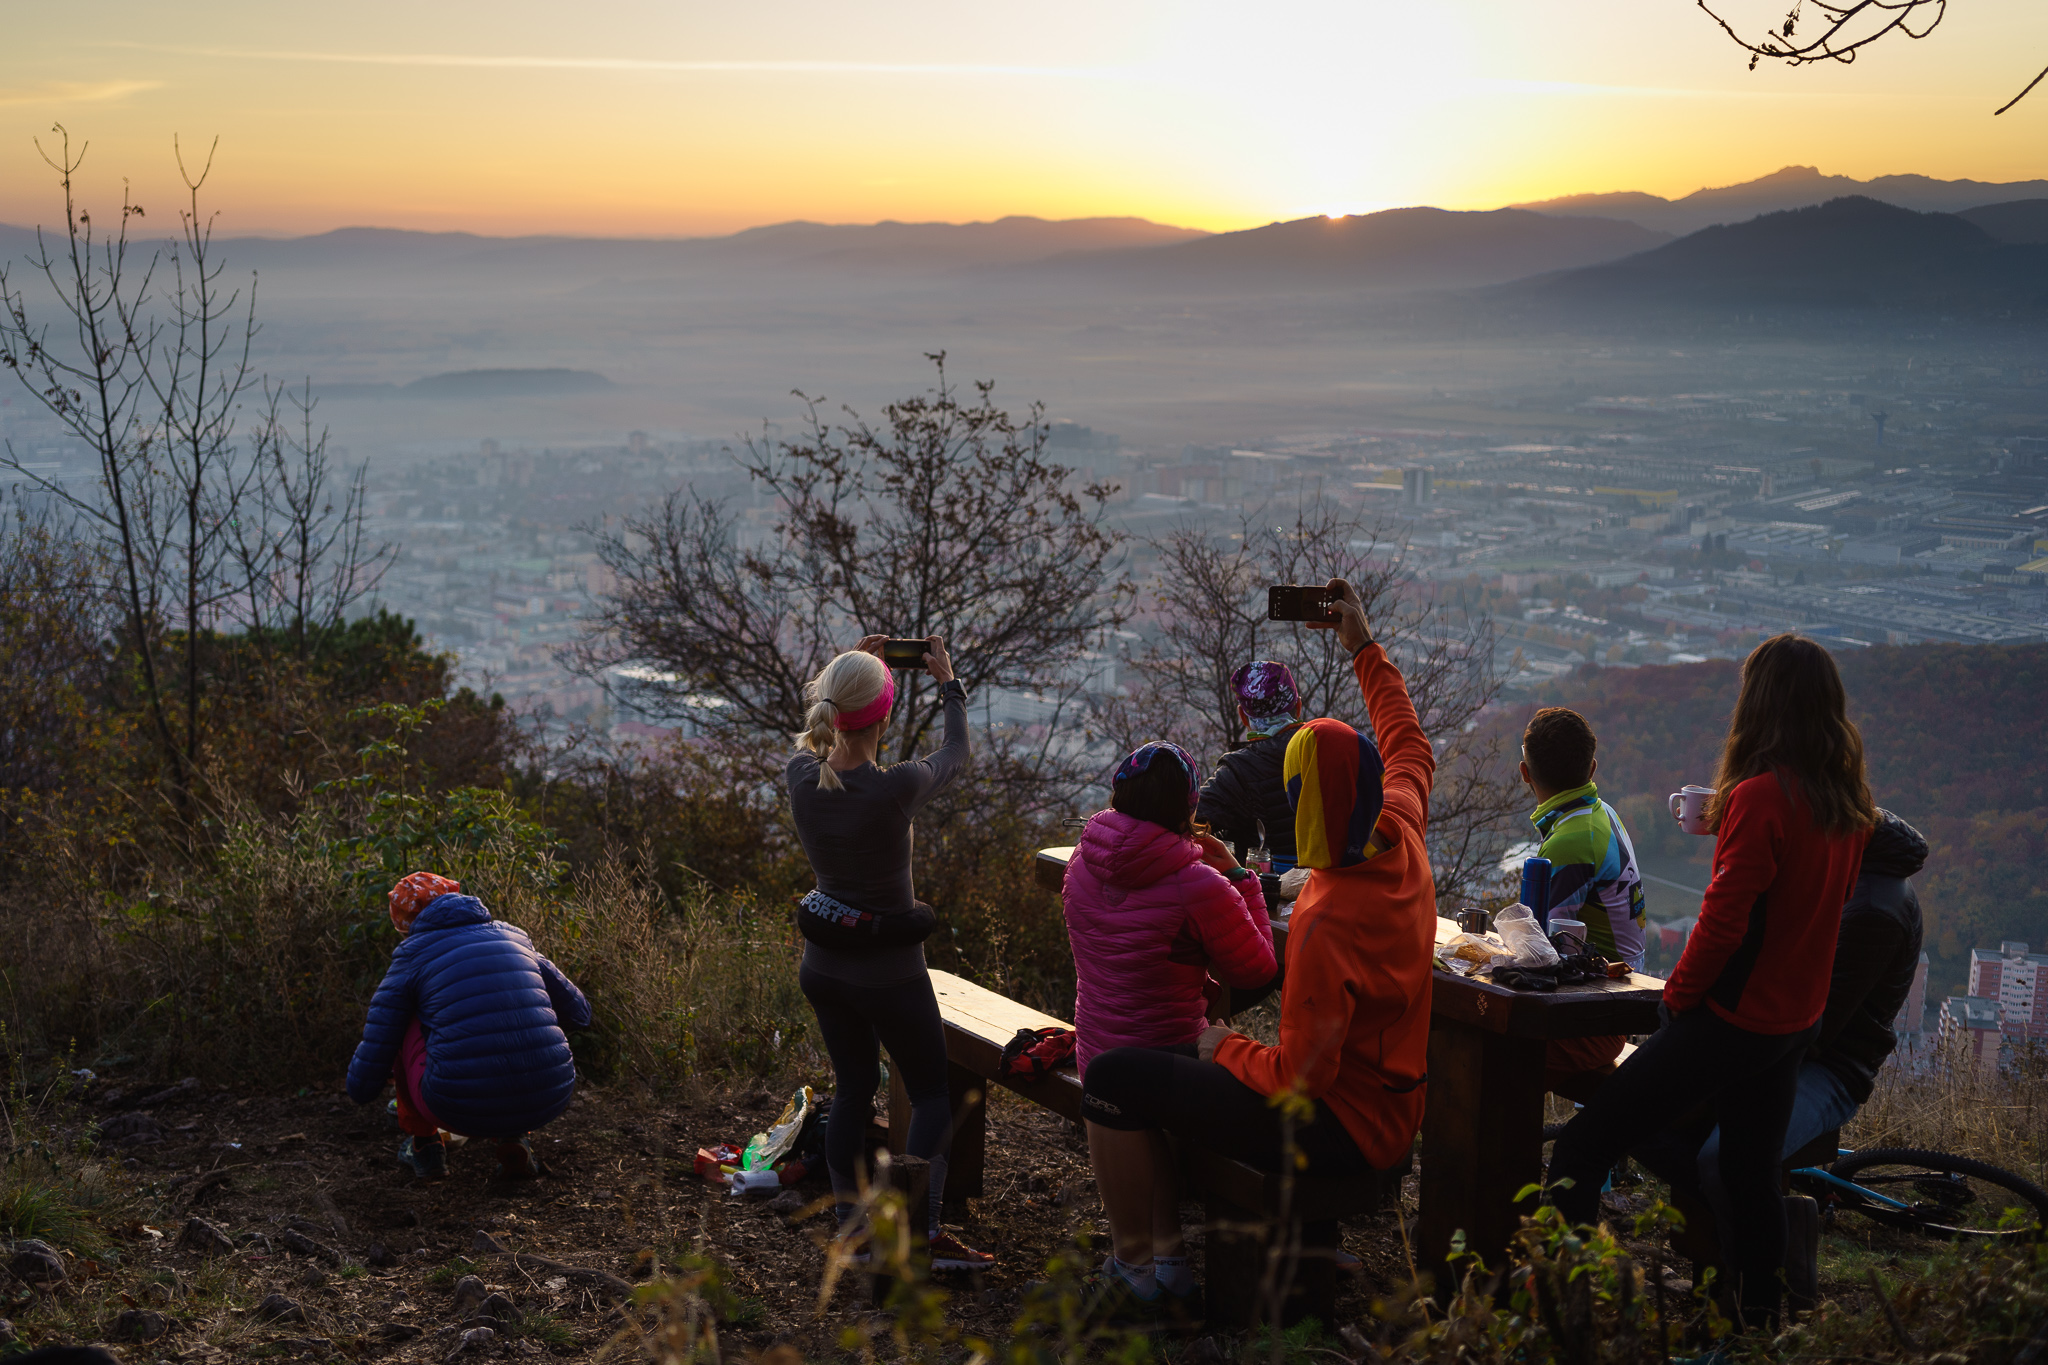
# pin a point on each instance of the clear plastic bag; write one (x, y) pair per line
(1524, 937)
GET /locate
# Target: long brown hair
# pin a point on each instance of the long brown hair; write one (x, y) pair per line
(1793, 718)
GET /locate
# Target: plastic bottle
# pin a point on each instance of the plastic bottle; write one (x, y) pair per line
(1536, 888)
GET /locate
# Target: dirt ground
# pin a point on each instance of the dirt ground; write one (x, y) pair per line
(388, 1254)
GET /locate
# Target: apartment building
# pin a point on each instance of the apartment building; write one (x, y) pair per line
(2017, 981)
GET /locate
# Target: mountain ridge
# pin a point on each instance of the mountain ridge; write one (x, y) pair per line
(1789, 187)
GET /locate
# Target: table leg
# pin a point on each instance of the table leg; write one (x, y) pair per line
(966, 1155)
(1482, 1140)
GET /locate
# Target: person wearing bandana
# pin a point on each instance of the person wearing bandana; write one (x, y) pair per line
(1354, 1006)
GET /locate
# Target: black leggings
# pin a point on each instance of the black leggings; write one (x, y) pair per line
(1133, 1088)
(903, 1017)
(1700, 1058)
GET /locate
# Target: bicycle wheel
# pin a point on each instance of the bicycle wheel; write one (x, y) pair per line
(1945, 1196)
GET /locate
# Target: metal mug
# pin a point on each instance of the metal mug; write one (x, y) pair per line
(1473, 920)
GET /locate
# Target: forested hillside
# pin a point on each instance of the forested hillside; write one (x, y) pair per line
(1957, 739)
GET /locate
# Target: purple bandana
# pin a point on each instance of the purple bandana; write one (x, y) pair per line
(1268, 694)
(1141, 758)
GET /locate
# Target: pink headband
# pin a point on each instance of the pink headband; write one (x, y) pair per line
(872, 712)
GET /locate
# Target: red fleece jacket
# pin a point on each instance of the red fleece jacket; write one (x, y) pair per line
(1761, 954)
(1354, 1009)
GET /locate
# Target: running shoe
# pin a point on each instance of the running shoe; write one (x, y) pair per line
(1109, 1300)
(950, 1253)
(425, 1157)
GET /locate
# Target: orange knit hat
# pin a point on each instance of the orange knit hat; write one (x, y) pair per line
(413, 894)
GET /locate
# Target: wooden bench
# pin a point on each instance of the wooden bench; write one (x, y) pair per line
(1242, 1206)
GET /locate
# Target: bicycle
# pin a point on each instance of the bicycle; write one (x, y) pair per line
(1944, 1196)
(1930, 1193)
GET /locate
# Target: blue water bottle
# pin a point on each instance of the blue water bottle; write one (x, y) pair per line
(1536, 889)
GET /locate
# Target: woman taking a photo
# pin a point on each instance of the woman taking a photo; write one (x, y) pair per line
(863, 968)
(1790, 814)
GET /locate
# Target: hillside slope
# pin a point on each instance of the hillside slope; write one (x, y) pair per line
(1854, 253)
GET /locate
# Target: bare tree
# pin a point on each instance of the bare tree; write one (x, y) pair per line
(1836, 30)
(96, 384)
(1207, 610)
(201, 522)
(948, 519)
(198, 375)
(301, 552)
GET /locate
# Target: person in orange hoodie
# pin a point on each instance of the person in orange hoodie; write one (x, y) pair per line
(1354, 1009)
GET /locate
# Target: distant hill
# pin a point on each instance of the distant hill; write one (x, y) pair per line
(2022, 222)
(558, 262)
(1956, 742)
(505, 384)
(1412, 248)
(1790, 188)
(1853, 252)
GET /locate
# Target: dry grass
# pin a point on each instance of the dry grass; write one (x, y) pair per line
(1926, 1100)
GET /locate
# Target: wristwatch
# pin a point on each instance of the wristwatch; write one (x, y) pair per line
(952, 687)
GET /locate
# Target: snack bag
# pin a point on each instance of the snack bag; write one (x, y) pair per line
(767, 1148)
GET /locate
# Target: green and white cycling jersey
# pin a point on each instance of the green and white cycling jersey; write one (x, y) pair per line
(1593, 874)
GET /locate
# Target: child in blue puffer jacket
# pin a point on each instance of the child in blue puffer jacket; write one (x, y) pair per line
(468, 1023)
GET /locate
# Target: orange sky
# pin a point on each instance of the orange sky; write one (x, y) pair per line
(638, 117)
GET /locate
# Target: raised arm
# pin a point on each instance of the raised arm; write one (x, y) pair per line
(917, 780)
(1404, 749)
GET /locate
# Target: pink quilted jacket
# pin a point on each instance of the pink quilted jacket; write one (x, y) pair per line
(1149, 920)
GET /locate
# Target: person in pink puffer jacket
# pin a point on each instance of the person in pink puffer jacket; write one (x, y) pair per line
(1154, 906)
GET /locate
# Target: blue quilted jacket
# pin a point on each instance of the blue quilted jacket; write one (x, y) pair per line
(492, 1010)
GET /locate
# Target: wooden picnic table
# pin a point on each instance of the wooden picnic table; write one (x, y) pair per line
(1482, 1124)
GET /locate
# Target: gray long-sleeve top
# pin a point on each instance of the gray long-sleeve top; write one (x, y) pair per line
(859, 841)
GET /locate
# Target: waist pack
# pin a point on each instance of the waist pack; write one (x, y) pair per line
(1037, 1051)
(832, 923)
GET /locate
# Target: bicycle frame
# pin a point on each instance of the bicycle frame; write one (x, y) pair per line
(1851, 1187)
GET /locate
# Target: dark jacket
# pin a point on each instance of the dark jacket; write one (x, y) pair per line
(1251, 785)
(1876, 958)
(492, 1010)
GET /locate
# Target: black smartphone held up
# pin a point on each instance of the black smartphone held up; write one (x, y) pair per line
(1296, 602)
(902, 654)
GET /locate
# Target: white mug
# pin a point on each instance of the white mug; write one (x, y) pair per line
(1689, 808)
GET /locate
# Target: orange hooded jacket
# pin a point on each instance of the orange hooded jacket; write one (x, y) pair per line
(1354, 1010)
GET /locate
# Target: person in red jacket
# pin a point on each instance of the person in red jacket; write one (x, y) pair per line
(1153, 906)
(1791, 811)
(1354, 1008)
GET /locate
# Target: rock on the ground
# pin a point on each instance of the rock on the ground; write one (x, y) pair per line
(141, 1324)
(36, 1264)
(278, 1308)
(498, 1306)
(187, 1089)
(380, 1256)
(307, 1346)
(7, 1337)
(469, 1292)
(391, 1333)
(294, 1240)
(131, 1130)
(789, 1203)
(475, 1340)
(205, 1238)
(313, 1277)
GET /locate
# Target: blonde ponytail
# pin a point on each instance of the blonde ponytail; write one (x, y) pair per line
(850, 683)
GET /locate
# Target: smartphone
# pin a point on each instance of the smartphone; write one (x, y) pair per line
(902, 654)
(1295, 602)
